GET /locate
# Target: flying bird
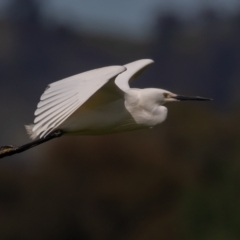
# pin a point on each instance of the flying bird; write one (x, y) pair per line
(100, 101)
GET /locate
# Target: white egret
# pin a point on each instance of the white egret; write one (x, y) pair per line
(99, 101)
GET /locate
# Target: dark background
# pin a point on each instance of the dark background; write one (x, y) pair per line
(178, 181)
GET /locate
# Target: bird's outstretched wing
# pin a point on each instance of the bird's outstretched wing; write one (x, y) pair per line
(64, 97)
(134, 69)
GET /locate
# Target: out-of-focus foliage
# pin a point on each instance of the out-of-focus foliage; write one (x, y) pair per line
(177, 181)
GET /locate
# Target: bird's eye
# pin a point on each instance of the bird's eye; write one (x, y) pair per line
(166, 95)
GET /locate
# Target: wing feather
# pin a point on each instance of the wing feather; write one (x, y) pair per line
(55, 92)
(64, 97)
(134, 69)
(57, 120)
(54, 105)
(57, 109)
(53, 99)
(54, 123)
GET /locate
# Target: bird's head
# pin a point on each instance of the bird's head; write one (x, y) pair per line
(166, 96)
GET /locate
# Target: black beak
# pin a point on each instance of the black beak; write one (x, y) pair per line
(184, 98)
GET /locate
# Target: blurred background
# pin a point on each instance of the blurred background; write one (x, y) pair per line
(178, 181)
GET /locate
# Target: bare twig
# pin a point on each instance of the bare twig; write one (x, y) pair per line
(10, 150)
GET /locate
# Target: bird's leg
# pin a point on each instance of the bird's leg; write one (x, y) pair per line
(10, 150)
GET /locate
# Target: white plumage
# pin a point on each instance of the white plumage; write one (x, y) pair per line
(63, 97)
(100, 101)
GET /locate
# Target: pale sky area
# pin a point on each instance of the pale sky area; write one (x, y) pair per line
(132, 19)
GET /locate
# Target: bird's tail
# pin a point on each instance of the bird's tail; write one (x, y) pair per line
(29, 129)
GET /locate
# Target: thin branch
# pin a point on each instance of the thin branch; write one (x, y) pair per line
(10, 150)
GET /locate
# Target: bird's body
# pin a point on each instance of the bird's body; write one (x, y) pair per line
(123, 113)
(97, 102)
(100, 101)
